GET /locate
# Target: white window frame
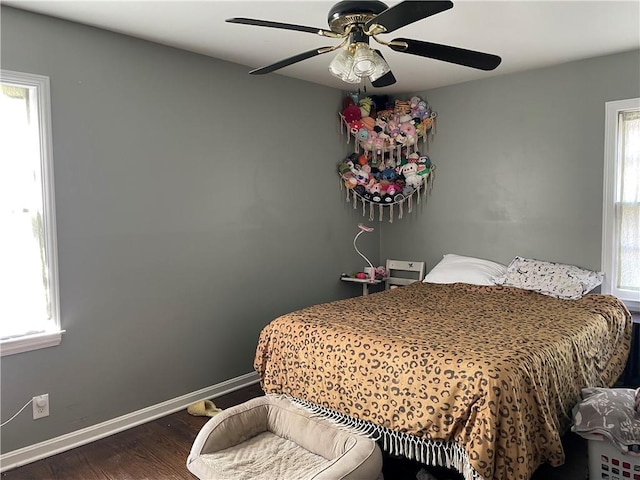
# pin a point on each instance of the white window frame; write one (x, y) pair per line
(611, 185)
(53, 335)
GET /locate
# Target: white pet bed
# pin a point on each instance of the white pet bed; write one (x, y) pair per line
(270, 438)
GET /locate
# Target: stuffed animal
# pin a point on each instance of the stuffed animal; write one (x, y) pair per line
(365, 106)
(388, 174)
(351, 113)
(350, 180)
(409, 132)
(355, 126)
(363, 159)
(368, 123)
(410, 173)
(393, 128)
(378, 144)
(363, 177)
(381, 126)
(425, 160)
(402, 107)
(375, 192)
(393, 189)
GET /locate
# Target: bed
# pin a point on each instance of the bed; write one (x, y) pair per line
(479, 378)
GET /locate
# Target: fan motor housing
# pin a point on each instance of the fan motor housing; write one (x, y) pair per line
(346, 13)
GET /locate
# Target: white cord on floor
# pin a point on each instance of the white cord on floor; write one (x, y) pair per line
(19, 412)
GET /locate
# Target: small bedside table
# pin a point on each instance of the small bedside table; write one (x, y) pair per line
(364, 281)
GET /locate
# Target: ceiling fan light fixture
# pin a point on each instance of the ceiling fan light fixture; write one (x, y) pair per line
(342, 66)
(364, 60)
(382, 68)
(358, 61)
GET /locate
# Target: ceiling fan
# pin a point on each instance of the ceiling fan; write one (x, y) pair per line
(355, 22)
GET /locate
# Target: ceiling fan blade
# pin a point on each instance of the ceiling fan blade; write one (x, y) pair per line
(407, 12)
(284, 26)
(447, 53)
(385, 80)
(290, 61)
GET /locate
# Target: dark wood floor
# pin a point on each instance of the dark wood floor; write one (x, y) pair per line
(158, 450)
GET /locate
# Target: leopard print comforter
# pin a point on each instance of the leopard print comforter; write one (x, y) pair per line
(494, 369)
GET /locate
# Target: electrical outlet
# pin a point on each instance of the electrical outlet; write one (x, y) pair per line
(40, 406)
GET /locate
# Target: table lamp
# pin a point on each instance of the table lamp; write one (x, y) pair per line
(361, 229)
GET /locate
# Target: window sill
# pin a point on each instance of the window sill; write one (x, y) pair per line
(30, 342)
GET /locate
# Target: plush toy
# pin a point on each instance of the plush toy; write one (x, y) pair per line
(402, 107)
(347, 166)
(363, 159)
(352, 113)
(362, 134)
(393, 128)
(414, 101)
(388, 174)
(368, 123)
(359, 189)
(425, 160)
(393, 189)
(409, 132)
(419, 108)
(363, 177)
(407, 190)
(374, 188)
(375, 192)
(365, 106)
(378, 144)
(368, 144)
(381, 125)
(410, 173)
(355, 126)
(350, 180)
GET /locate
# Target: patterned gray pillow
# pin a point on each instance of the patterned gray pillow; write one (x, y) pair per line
(608, 412)
(550, 278)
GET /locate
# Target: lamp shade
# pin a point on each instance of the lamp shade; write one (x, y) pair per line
(357, 61)
(382, 67)
(364, 61)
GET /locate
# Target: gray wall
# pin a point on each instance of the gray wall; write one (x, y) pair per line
(194, 204)
(519, 166)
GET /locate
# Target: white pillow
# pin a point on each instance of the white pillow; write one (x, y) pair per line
(550, 278)
(457, 268)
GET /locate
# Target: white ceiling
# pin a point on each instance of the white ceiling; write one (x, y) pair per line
(526, 34)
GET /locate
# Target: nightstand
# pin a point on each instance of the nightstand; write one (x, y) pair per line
(364, 281)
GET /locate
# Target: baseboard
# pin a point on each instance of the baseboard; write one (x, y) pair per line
(87, 435)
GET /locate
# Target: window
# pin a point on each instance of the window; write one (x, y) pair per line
(621, 209)
(29, 315)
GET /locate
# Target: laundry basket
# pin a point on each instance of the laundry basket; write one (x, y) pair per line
(607, 419)
(606, 462)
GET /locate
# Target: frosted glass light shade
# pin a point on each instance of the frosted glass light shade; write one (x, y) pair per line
(382, 67)
(364, 61)
(355, 62)
(342, 67)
